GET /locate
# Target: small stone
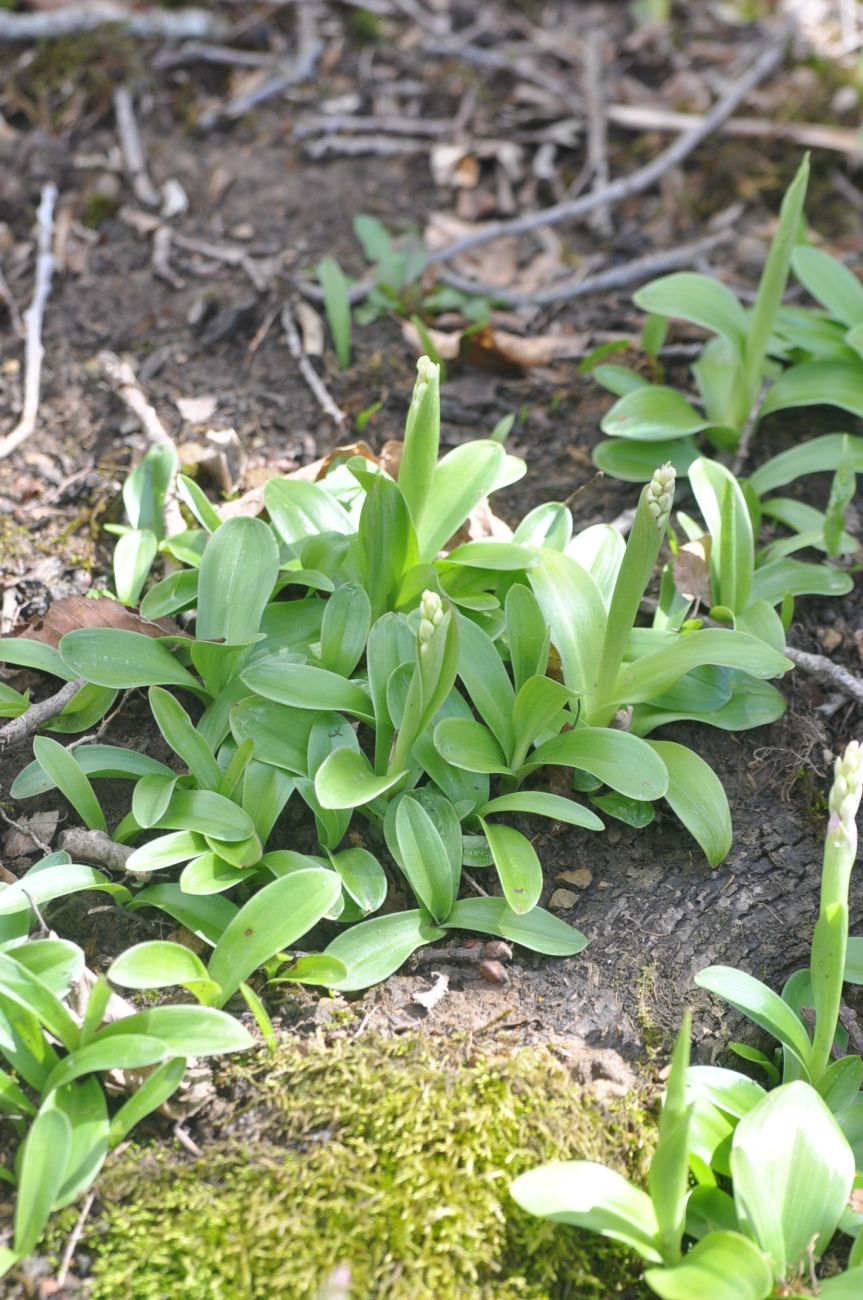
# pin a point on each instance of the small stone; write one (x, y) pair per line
(831, 638)
(562, 900)
(493, 972)
(497, 950)
(580, 878)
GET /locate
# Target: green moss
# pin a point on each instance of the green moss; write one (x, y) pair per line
(394, 1156)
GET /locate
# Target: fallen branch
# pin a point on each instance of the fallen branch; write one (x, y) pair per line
(616, 277)
(824, 670)
(597, 128)
(124, 383)
(627, 186)
(34, 351)
(310, 375)
(362, 146)
(28, 722)
(95, 847)
(811, 135)
(72, 19)
(132, 149)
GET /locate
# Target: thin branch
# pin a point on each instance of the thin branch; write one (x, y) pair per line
(132, 149)
(310, 375)
(96, 847)
(74, 1239)
(597, 127)
(824, 670)
(748, 431)
(626, 186)
(812, 135)
(72, 19)
(27, 723)
(616, 277)
(34, 351)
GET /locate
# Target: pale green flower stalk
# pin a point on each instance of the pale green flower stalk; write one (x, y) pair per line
(830, 941)
(431, 616)
(422, 439)
(639, 559)
(433, 675)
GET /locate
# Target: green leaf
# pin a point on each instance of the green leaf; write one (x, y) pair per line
(621, 760)
(699, 299)
(238, 572)
(415, 843)
(151, 797)
(266, 791)
(812, 457)
(158, 1086)
(793, 1171)
(362, 876)
(518, 866)
(655, 673)
(346, 780)
(197, 501)
(337, 306)
(24, 653)
(669, 1168)
(635, 461)
(206, 917)
(345, 629)
(817, 383)
(386, 542)
(774, 277)
(697, 797)
(755, 1000)
(175, 592)
(133, 558)
(60, 766)
(723, 1266)
(301, 510)
(57, 882)
(207, 813)
(210, 874)
(28, 992)
(181, 734)
(129, 1051)
(421, 440)
(185, 1031)
(575, 615)
(542, 804)
(280, 734)
(537, 930)
(830, 283)
(158, 964)
(166, 851)
(302, 686)
(93, 760)
(376, 948)
(654, 414)
(44, 1156)
(467, 744)
(315, 968)
(526, 633)
(632, 812)
(272, 919)
(781, 578)
(732, 556)
(112, 657)
(463, 477)
(589, 1196)
(146, 488)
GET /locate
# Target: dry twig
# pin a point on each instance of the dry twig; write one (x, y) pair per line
(827, 673)
(811, 135)
(626, 186)
(27, 723)
(72, 19)
(96, 847)
(132, 149)
(310, 375)
(34, 351)
(74, 1239)
(597, 127)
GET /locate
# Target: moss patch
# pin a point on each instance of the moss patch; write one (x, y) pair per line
(394, 1156)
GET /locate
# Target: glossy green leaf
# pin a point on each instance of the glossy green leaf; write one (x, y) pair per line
(94, 760)
(27, 991)
(588, 1195)
(300, 510)
(345, 629)
(811, 457)
(315, 969)
(198, 502)
(151, 797)
(632, 812)
(723, 1266)
(375, 949)
(466, 743)
(817, 383)
(724, 509)
(699, 299)
(59, 764)
(302, 686)
(238, 572)
(206, 917)
(793, 1171)
(210, 874)
(173, 593)
(518, 866)
(462, 478)
(575, 615)
(337, 306)
(419, 850)
(619, 759)
(668, 1181)
(830, 283)
(655, 673)
(781, 578)
(44, 1157)
(526, 634)
(181, 734)
(633, 462)
(185, 1031)
(207, 813)
(346, 780)
(362, 876)
(273, 919)
(112, 657)
(166, 851)
(653, 414)
(158, 964)
(147, 486)
(542, 804)
(537, 930)
(759, 1003)
(133, 558)
(129, 1051)
(158, 1086)
(697, 797)
(57, 882)
(279, 733)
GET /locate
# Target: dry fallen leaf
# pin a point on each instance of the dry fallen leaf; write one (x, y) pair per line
(691, 570)
(197, 410)
(73, 612)
(18, 844)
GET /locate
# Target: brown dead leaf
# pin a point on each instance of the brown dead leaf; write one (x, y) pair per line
(497, 347)
(252, 502)
(73, 612)
(43, 825)
(447, 344)
(691, 570)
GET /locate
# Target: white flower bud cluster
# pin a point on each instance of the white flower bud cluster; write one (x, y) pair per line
(846, 791)
(431, 613)
(427, 373)
(660, 494)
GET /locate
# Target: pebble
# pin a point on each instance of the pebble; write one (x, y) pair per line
(562, 900)
(580, 878)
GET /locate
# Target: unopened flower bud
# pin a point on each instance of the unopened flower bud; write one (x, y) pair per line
(431, 613)
(660, 494)
(845, 793)
(428, 373)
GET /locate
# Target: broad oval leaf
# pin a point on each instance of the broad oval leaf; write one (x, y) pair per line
(303, 686)
(207, 813)
(59, 764)
(238, 573)
(113, 657)
(376, 948)
(830, 283)
(542, 804)
(345, 780)
(181, 734)
(622, 761)
(415, 843)
(699, 299)
(44, 1156)
(185, 1031)
(158, 964)
(723, 1266)
(755, 1000)
(299, 510)
(279, 733)
(698, 798)
(537, 930)
(206, 917)
(518, 866)
(467, 744)
(590, 1196)
(93, 760)
(653, 414)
